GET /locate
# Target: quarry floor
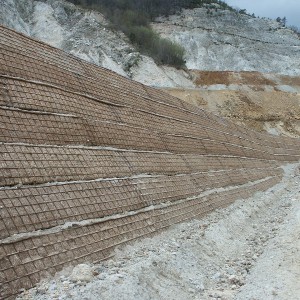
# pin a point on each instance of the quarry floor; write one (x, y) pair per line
(249, 250)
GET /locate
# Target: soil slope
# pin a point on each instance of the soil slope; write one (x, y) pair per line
(264, 102)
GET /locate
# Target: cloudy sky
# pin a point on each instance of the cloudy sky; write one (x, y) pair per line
(271, 8)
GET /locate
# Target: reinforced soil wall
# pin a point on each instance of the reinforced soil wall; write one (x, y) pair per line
(91, 160)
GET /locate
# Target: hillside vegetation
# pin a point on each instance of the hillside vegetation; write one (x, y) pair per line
(133, 18)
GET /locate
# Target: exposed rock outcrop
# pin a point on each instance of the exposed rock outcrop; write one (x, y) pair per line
(226, 41)
(221, 41)
(88, 35)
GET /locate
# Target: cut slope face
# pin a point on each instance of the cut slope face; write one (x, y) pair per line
(92, 160)
(269, 102)
(224, 40)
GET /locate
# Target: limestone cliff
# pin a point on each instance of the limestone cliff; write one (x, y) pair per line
(225, 40)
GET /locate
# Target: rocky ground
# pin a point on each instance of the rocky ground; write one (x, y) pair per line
(250, 250)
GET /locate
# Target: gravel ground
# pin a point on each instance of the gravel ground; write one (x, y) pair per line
(250, 250)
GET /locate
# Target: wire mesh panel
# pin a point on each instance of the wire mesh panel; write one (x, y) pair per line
(91, 160)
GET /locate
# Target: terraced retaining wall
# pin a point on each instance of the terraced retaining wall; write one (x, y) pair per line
(91, 161)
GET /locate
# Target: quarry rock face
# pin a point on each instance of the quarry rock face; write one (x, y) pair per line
(225, 40)
(88, 35)
(63, 25)
(91, 161)
(221, 41)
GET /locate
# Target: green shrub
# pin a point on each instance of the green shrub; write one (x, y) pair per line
(163, 51)
(168, 53)
(133, 18)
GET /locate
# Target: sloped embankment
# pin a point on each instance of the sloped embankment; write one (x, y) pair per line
(92, 160)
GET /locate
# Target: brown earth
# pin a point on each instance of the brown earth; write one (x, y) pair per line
(249, 98)
(202, 78)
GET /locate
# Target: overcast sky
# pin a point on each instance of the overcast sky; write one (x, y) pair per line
(271, 9)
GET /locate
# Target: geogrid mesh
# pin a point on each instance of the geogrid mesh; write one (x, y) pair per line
(91, 160)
